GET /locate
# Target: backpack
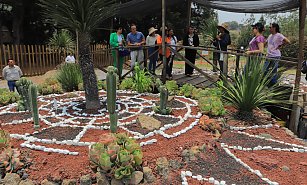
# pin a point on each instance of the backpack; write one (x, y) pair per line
(304, 67)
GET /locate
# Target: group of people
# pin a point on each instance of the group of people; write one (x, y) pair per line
(153, 41)
(256, 46)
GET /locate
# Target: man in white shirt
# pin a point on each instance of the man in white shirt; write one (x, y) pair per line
(11, 73)
(70, 58)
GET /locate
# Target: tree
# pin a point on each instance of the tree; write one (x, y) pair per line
(82, 16)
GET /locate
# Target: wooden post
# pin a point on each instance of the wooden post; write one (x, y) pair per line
(237, 63)
(163, 43)
(189, 12)
(295, 108)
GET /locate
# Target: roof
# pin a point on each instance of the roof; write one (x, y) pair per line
(240, 6)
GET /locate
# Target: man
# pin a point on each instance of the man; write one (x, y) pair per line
(191, 39)
(275, 41)
(70, 58)
(11, 73)
(135, 38)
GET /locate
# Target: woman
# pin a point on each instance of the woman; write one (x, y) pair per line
(169, 69)
(221, 42)
(167, 50)
(116, 40)
(191, 39)
(256, 45)
(151, 40)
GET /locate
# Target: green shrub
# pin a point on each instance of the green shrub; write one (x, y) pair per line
(69, 76)
(102, 84)
(50, 86)
(116, 155)
(172, 87)
(251, 89)
(23, 89)
(186, 90)
(127, 83)
(7, 97)
(142, 80)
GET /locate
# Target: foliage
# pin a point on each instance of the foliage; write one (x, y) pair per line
(127, 83)
(23, 89)
(62, 41)
(50, 86)
(116, 155)
(111, 97)
(211, 105)
(210, 30)
(251, 89)
(102, 84)
(163, 109)
(69, 76)
(142, 80)
(186, 90)
(9, 160)
(172, 87)
(34, 106)
(7, 97)
(4, 139)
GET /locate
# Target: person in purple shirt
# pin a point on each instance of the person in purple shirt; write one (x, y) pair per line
(275, 41)
(135, 38)
(256, 45)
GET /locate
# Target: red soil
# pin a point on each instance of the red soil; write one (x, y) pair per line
(270, 164)
(23, 128)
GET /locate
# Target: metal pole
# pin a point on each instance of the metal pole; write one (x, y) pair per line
(163, 43)
(294, 118)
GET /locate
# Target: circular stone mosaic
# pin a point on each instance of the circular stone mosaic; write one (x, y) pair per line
(66, 120)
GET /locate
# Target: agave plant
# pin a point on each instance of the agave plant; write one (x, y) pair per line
(9, 161)
(251, 89)
(116, 155)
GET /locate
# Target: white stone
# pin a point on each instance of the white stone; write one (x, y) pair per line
(222, 183)
(211, 180)
(188, 173)
(216, 182)
(199, 177)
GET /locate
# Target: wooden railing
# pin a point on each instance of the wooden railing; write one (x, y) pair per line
(38, 59)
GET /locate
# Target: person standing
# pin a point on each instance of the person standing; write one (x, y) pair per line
(117, 40)
(135, 38)
(275, 41)
(256, 45)
(11, 73)
(151, 40)
(221, 42)
(167, 50)
(173, 42)
(190, 39)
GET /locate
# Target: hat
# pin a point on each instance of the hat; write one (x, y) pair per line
(225, 26)
(162, 28)
(151, 30)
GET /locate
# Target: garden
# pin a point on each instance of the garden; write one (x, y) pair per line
(147, 132)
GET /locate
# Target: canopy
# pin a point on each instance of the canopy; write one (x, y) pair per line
(240, 6)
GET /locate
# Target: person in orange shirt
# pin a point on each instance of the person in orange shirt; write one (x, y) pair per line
(167, 52)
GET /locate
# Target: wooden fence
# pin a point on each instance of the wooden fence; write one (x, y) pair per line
(38, 59)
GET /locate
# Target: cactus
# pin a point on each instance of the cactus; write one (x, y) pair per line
(111, 97)
(23, 87)
(34, 107)
(163, 109)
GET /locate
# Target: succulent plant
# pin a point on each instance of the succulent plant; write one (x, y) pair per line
(211, 105)
(172, 87)
(111, 97)
(4, 139)
(23, 89)
(163, 109)
(50, 86)
(186, 90)
(116, 155)
(7, 97)
(33, 103)
(9, 160)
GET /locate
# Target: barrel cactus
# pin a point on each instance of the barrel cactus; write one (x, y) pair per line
(163, 109)
(34, 106)
(111, 97)
(23, 88)
(116, 155)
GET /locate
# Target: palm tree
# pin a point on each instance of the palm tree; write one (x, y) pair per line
(82, 16)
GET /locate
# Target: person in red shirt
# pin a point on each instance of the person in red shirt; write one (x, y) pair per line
(167, 51)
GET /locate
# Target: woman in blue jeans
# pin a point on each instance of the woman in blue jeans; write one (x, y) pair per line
(151, 41)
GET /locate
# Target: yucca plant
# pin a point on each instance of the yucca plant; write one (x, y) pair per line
(62, 41)
(82, 17)
(251, 89)
(69, 76)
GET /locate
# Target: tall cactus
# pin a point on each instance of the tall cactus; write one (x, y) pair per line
(34, 106)
(111, 97)
(23, 87)
(163, 109)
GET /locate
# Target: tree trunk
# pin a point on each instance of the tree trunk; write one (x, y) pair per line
(88, 72)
